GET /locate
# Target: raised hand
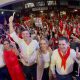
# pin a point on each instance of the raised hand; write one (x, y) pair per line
(11, 18)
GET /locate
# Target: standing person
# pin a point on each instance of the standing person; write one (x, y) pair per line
(62, 60)
(54, 42)
(4, 74)
(27, 47)
(11, 61)
(42, 56)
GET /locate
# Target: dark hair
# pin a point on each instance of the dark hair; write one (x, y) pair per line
(63, 38)
(6, 40)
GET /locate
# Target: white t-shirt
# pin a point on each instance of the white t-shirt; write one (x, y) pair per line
(46, 58)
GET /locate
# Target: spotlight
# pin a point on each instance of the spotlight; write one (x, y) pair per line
(41, 11)
(2, 12)
(75, 10)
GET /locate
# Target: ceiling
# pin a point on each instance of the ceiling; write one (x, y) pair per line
(8, 6)
(7, 2)
(19, 5)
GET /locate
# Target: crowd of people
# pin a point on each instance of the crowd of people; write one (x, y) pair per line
(40, 48)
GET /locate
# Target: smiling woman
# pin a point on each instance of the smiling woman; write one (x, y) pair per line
(11, 61)
(42, 56)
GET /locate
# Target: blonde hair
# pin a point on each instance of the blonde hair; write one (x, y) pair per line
(43, 38)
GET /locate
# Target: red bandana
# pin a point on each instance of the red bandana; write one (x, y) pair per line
(64, 58)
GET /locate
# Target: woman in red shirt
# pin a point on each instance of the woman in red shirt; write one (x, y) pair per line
(11, 61)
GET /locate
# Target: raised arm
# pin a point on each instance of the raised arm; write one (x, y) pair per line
(11, 18)
(13, 34)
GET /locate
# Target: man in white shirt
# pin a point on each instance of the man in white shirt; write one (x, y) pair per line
(62, 60)
(27, 47)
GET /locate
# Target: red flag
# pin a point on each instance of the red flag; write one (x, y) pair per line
(61, 25)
